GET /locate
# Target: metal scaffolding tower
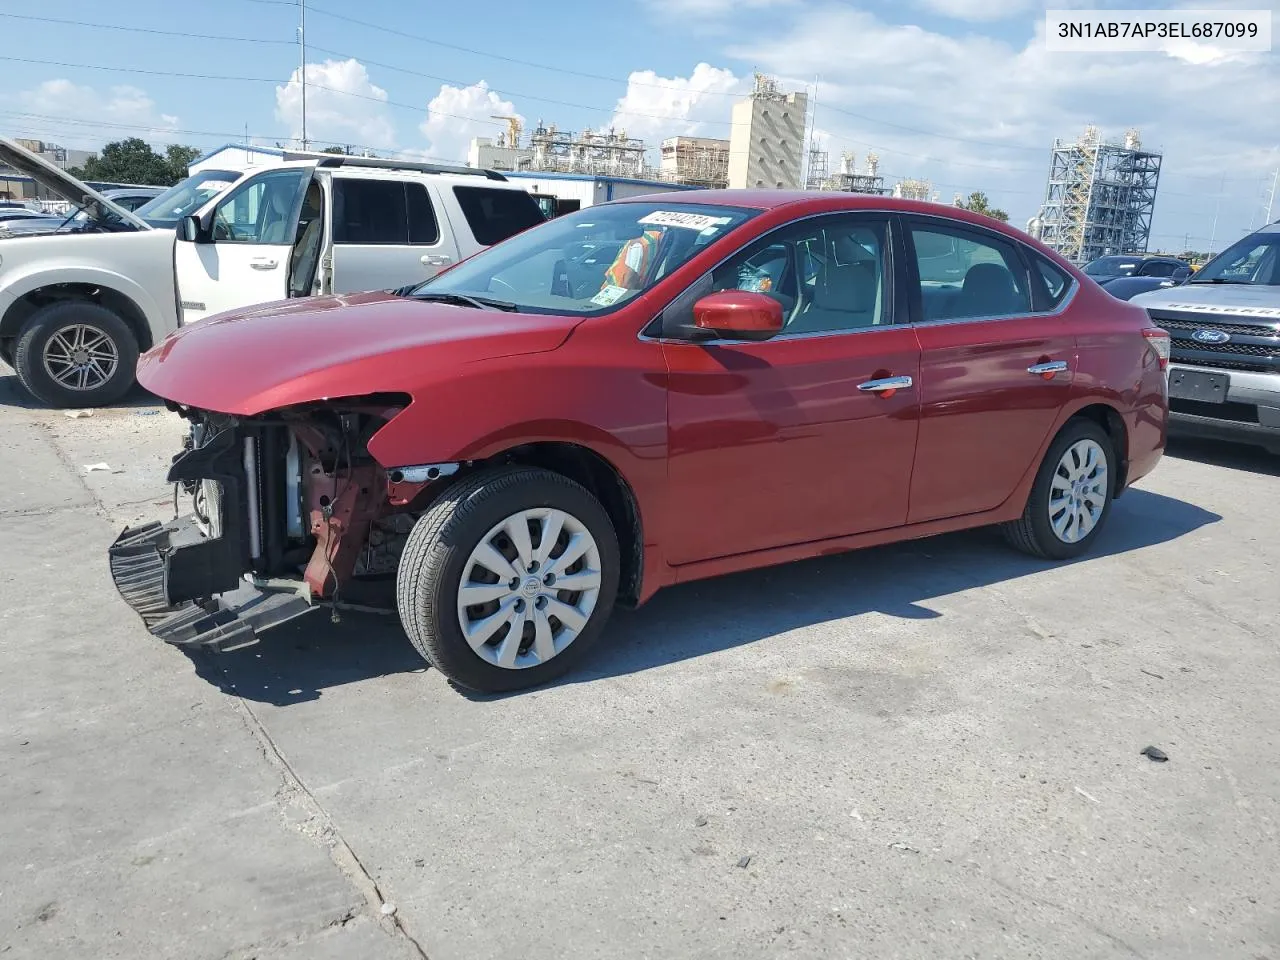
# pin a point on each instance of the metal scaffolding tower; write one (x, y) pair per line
(1100, 197)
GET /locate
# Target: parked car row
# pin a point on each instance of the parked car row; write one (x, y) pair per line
(82, 295)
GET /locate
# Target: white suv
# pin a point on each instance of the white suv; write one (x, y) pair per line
(76, 307)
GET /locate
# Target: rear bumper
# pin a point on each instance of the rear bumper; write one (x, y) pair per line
(154, 565)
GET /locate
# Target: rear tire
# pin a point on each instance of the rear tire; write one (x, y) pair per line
(1071, 497)
(76, 354)
(527, 625)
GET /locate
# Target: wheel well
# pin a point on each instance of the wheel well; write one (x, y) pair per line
(609, 487)
(1111, 421)
(123, 307)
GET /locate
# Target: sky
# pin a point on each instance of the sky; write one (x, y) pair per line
(959, 92)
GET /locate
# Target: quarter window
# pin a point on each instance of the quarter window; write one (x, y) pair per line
(423, 228)
(828, 274)
(1054, 280)
(495, 215)
(967, 275)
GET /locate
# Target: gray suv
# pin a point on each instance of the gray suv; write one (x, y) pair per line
(1224, 370)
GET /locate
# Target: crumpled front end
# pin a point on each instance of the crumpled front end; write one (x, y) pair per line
(286, 509)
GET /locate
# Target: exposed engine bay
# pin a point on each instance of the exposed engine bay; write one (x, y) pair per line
(289, 504)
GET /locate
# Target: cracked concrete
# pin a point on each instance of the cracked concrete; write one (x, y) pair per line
(919, 751)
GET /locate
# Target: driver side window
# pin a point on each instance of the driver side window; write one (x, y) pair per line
(263, 210)
(828, 273)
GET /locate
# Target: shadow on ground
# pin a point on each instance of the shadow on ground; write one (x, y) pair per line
(1220, 453)
(298, 660)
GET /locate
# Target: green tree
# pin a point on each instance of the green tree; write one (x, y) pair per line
(134, 161)
(178, 157)
(336, 149)
(977, 202)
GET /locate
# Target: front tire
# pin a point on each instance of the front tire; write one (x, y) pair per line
(1071, 497)
(76, 354)
(508, 579)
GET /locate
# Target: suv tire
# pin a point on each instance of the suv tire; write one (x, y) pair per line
(442, 558)
(84, 343)
(1078, 493)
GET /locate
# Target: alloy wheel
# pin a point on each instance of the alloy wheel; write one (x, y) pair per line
(81, 357)
(529, 587)
(1078, 493)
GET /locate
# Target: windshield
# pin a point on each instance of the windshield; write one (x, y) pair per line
(1111, 267)
(186, 196)
(591, 261)
(1253, 260)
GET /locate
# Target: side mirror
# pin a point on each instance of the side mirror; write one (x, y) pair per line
(738, 315)
(193, 230)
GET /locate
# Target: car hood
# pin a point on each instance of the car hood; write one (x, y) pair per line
(296, 351)
(60, 183)
(1234, 298)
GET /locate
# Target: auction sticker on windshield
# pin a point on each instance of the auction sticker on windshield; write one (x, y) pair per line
(609, 295)
(689, 221)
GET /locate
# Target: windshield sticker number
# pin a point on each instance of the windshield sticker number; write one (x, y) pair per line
(688, 221)
(609, 295)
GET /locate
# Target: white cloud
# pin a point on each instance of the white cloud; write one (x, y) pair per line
(655, 107)
(976, 10)
(120, 111)
(459, 114)
(978, 88)
(716, 8)
(343, 106)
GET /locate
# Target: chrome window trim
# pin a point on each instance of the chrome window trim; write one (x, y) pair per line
(1024, 251)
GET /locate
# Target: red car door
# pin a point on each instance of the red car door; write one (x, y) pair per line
(807, 435)
(994, 372)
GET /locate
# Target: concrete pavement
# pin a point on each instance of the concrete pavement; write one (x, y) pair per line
(917, 751)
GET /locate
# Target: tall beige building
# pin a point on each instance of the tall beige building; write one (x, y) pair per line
(766, 147)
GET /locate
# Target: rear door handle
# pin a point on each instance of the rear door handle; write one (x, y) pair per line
(887, 386)
(436, 259)
(1048, 369)
(262, 263)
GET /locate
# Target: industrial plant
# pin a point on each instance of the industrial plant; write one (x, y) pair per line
(1099, 198)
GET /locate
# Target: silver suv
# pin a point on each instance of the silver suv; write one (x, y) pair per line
(1224, 371)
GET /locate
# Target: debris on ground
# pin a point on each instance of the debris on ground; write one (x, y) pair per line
(77, 414)
(1088, 796)
(1155, 753)
(1150, 674)
(744, 861)
(388, 909)
(148, 413)
(95, 467)
(899, 845)
(700, 822)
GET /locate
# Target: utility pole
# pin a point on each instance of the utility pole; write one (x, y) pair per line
(302, 68)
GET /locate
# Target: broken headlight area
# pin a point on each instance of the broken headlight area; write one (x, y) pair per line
(289, 504)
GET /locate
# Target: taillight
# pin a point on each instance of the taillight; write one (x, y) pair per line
(1158, 341)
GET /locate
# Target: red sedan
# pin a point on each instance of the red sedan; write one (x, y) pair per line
(631, 396)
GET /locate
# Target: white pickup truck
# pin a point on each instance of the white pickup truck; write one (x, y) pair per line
(78, 304)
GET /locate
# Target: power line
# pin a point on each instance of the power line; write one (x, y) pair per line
(162, 33)
(213, 76)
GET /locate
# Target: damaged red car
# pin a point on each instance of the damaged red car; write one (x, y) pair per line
(635, 395)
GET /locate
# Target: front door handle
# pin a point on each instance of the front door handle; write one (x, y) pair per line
(887, 386)
(1047, 369)
(436, 260)
(262, 263)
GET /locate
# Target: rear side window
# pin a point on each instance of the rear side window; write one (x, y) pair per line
(494, 215)
(1055, 281)
(965, 274)
(369, 212)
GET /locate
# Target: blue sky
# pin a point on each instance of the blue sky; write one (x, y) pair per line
(960, 92)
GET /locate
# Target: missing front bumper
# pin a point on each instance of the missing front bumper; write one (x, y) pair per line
(155, 568)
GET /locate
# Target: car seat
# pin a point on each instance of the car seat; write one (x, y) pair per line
(989, 291)
(304, 259)
(846, 291)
